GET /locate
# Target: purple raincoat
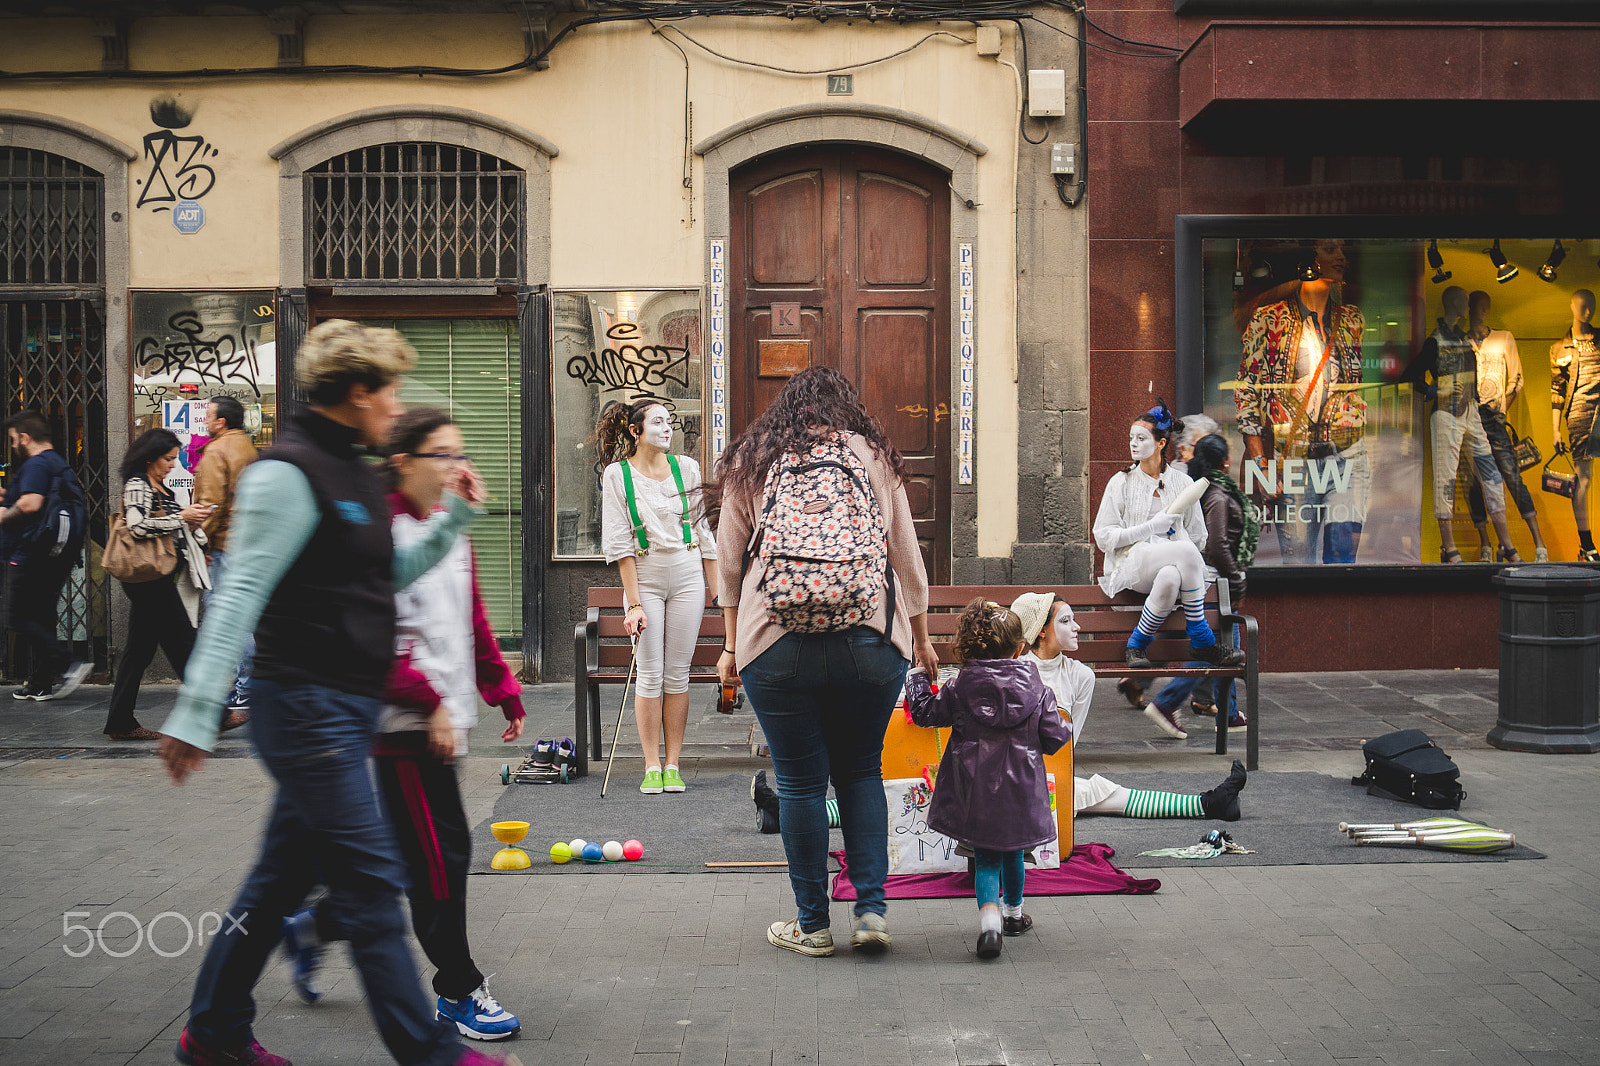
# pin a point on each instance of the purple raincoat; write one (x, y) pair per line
(991, 790)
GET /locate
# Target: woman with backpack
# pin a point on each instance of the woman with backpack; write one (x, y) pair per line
(825, 600)
(653, 526)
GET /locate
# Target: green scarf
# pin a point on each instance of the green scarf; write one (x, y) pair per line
(1246, 553)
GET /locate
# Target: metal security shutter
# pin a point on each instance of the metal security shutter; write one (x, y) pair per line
(472, 368)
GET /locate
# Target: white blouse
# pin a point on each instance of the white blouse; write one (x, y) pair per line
(1133, 497)
(660, 511)
(1073, 685)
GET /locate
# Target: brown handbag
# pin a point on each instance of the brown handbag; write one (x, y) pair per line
(134, 559)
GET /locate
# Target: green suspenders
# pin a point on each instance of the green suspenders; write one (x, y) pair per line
(633, 506)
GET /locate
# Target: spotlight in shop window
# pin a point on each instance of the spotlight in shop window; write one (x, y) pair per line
(1435, 260)
(1308, 269)
(1557, 253)
(1503, 271)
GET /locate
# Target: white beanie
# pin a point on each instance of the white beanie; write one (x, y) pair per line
(1033, 608)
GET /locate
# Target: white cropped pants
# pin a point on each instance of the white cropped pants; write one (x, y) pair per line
(672, 591)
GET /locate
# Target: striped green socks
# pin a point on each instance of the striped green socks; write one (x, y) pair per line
(1143, 804)
(833, 813)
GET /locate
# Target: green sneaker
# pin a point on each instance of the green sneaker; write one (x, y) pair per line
(672, 781)
(651, 785)
(788, 935)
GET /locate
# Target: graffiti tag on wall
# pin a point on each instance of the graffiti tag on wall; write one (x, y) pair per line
(223, 360)
(644, 369)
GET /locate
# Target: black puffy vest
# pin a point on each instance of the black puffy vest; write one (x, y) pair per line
(330, 621)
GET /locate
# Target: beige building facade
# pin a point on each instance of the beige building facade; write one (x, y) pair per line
(664, 209)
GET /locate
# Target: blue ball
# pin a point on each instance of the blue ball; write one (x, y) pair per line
(592, 853)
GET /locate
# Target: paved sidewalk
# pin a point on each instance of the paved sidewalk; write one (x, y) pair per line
(1401, 964)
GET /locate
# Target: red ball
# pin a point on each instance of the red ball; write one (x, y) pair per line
(632, 850)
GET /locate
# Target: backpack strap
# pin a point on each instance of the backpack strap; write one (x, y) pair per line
(683, 497)
(633, 510)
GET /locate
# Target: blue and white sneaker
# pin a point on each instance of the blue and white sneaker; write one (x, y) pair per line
(304, 948)
(479, 1016)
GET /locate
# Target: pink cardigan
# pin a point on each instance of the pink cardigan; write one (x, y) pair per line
(757, 632)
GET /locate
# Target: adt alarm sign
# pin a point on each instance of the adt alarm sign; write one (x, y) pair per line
(188, 216)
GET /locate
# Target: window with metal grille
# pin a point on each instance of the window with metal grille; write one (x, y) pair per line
(414, 212)
(49, 220)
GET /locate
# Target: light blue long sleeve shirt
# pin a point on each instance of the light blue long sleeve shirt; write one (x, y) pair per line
(274, 515)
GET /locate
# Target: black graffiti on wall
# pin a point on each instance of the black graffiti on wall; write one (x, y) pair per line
(627, 366)
(223, 359)
(177, 169)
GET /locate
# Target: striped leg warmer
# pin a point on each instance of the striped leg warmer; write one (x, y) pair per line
(1194, 617)
(1143, 804)
(1145, 632)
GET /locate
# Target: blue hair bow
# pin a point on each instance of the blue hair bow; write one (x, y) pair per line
(1160, 416)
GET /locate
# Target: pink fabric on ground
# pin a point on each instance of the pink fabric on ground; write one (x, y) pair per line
(1087, 871)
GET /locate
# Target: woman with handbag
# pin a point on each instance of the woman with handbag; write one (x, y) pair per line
(156, 550)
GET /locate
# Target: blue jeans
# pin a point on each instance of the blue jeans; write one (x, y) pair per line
(997, 874)
(1220, 689)
(247, 658)
(326, 825)
(823, 701)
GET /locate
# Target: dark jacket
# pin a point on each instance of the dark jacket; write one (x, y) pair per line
(330, 621)
(991, 790)
(1224, 529)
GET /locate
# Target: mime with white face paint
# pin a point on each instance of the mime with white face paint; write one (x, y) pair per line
(652, 525)
(1150, 551)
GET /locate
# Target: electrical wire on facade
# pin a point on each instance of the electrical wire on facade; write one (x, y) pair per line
(635, 11)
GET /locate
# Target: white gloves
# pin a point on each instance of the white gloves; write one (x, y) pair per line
(1161, 525)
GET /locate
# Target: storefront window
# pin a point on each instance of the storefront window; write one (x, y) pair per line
(1366, 386)
(617, 346)
(188, 347)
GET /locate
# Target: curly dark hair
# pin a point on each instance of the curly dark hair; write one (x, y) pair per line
(986, 630)
(613, 433)
(151, 445)
(818, 397)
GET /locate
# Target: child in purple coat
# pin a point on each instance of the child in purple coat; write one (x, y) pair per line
(991, 790)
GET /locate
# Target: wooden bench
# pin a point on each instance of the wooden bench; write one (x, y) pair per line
(602, 652)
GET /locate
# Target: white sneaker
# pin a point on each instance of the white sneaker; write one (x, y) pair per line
(1541, 555)
(70, 680)
(871, 934)
(1166, 721)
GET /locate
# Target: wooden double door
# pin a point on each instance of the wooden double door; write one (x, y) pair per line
(859, 239)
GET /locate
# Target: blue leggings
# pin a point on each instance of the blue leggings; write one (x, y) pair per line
(997, 872)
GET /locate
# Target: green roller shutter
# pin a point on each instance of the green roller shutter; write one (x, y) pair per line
(471, 368)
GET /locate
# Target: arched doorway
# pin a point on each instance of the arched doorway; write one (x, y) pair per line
(859, 238)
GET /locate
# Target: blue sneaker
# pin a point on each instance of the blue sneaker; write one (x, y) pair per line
(304, 948)
(479, 1016)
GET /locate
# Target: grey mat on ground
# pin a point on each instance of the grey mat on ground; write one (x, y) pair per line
(714, 821)
(1287, 819)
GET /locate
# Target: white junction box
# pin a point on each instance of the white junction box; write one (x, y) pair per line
(988, 40)
(1047, 93)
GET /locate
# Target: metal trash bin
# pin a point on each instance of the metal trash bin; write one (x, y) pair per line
(1549, 659)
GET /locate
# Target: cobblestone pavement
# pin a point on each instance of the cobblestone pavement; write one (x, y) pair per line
(1394, 963)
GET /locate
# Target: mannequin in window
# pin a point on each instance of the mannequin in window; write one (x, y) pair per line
(1575, 391)
(1499, 382)
(1452, 361)
(1298, 398)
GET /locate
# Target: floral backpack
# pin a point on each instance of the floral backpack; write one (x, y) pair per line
(822, 540)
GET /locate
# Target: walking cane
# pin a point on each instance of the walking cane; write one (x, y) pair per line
(616, 734)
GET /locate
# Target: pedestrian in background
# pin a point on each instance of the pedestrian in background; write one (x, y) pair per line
(165, 610)
(216, 481)
(34, 577)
